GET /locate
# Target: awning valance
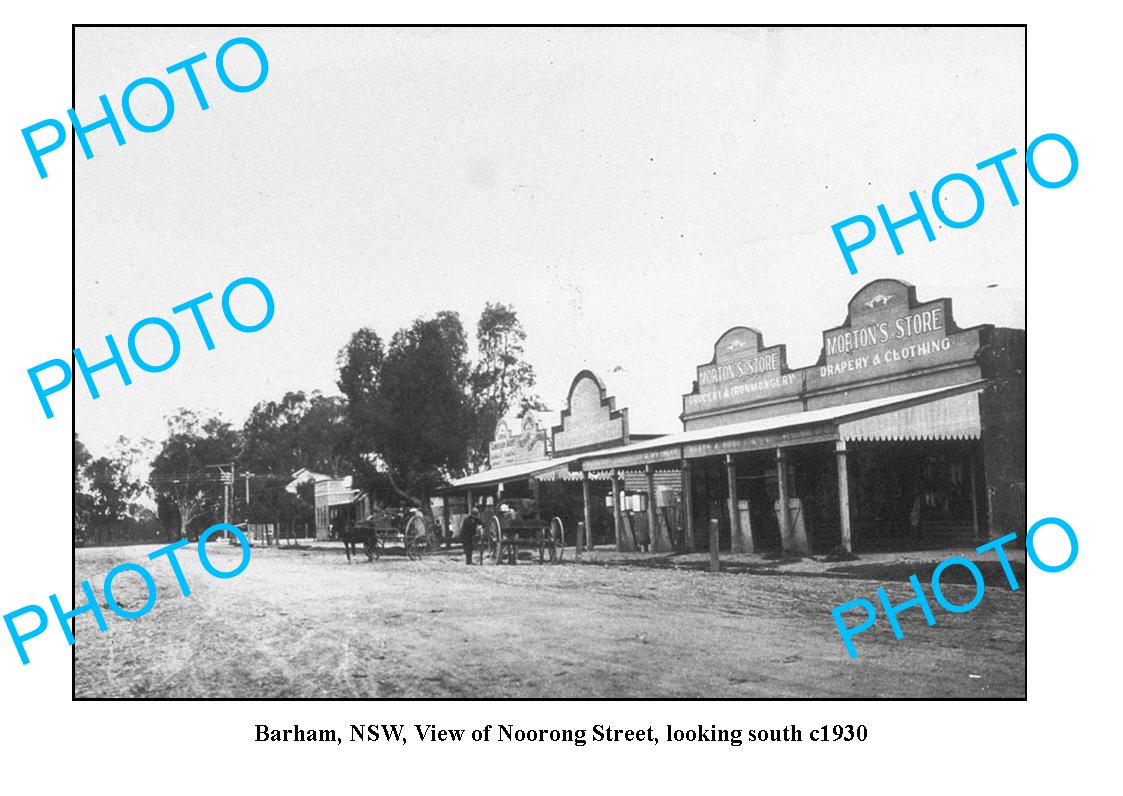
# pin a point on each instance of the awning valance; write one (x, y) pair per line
(514, 472)
(953, 417)
(953, 420)
(939, 414)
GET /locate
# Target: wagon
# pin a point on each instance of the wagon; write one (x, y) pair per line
(385, 527)
(520, 527)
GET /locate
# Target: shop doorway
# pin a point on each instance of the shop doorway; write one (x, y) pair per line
(916, 495)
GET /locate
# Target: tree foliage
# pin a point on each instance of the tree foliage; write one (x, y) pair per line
(300, 430)
(187, 488)
(280, 437)
(420, 410)
(415, 412)
(105, 491)
(408, 405)
(83, 499)
(501, 379)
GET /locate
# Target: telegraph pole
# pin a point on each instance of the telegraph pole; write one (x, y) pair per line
(227, 478)
(246, 509)
(227, 496)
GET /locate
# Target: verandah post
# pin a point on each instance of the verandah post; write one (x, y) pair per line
(843, 493)
(688, 509)
(785, 524)
(588, 537)
(617, 512)
(715, 564)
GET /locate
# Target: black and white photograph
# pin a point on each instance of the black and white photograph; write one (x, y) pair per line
(551, 362)
(461, 397)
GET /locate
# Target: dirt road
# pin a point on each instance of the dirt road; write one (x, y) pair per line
(308, 624)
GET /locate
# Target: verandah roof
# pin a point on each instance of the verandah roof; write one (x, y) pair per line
(513, 472)
(941, 413)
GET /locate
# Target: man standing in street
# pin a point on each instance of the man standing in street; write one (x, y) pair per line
(468, 533)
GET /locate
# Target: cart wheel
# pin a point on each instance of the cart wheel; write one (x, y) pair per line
(416, 540)
(494, 540)
(555, 540)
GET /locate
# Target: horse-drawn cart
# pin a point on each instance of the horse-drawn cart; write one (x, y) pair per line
(520, 527)
(385, 527)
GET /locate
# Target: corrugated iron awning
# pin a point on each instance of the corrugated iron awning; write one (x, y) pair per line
(768, 431)
(514, 472)
(953, 417)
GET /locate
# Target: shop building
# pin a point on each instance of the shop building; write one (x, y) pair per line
(331, 495)
(907, 432)
(535, 462)
(620, 505)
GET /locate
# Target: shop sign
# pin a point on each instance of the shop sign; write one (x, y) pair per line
(761, 441)
(742, 371)
(633, 459)
(528, 445)
(887, 333)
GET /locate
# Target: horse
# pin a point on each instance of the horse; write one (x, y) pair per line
(353, 535)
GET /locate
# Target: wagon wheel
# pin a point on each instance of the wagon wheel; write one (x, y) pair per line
(494, 539)
(556, 540)
(416, 539)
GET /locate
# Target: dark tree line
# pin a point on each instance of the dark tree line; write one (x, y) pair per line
(413, 413)
(421, 410)
(105, 495)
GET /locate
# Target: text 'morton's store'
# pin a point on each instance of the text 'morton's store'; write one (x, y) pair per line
(908, 432)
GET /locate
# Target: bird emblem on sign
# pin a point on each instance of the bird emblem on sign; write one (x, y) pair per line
(879, 300)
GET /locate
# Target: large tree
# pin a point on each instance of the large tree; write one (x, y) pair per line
(325, 438)
(300, 430)
(187, 486)
(502, 379)
(280, 437)
(409, 404)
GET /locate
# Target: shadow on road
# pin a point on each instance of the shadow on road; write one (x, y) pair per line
(992, 572)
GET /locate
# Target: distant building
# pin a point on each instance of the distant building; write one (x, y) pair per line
(909, 431)
(331, 494)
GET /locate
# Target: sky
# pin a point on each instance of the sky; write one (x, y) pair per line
(632, 192)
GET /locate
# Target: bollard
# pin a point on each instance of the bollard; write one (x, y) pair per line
(715, 565)
(580, 538)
